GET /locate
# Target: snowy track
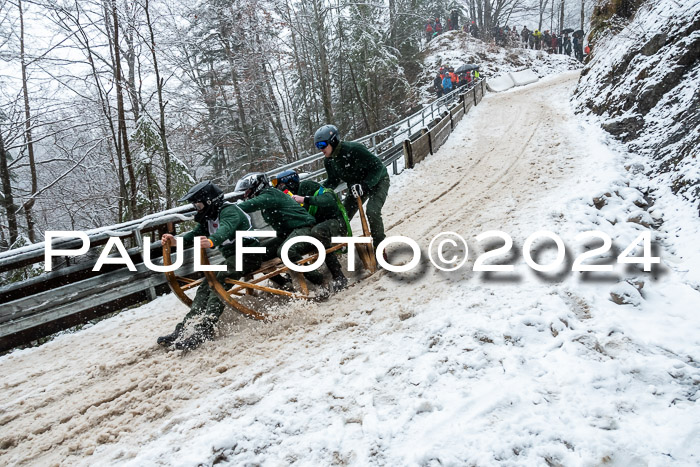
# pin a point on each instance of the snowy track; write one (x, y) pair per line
(414, 368)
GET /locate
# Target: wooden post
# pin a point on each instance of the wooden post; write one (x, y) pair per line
(139, 243)
(430, 140)
(408, 154)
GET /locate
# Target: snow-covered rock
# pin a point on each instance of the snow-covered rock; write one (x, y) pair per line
(643, 80)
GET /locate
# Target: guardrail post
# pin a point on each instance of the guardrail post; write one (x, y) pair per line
(139, 243)
(430, 140)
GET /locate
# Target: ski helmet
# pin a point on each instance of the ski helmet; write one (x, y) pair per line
(252, 184)
(207, 199)
(289, 179)
(327, 134)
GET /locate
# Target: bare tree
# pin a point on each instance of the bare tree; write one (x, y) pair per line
(29, 204)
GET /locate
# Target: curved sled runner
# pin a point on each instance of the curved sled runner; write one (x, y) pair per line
(251, 284)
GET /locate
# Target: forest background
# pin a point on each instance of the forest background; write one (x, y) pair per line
(111, 109)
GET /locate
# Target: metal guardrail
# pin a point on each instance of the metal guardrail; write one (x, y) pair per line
(73, 294)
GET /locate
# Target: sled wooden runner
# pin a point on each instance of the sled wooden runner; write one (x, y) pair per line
(366, 250)
(175, 281)
(248, 286)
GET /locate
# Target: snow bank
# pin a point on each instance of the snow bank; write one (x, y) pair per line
(499, 84)
(521, 78)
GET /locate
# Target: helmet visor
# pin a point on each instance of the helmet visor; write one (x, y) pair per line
(321, 145)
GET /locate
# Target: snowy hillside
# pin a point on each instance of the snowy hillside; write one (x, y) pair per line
(455, 48)
(643, 82)
(420, 368)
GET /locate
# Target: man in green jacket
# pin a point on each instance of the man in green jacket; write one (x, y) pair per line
(325, 206)
(217, 223)
(353, 164)
(283, 214)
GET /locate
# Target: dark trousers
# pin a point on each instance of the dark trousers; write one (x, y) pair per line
(375, 198)
(206, 303)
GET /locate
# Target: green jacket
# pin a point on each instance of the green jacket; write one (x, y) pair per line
(326, 203)
(279, 210)
(353, 163)
(231, 219)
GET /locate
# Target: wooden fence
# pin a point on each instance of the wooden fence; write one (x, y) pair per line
(432, 137)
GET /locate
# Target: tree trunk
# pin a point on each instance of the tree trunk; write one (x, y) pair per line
(561, 16)
(583, 12)
(359, 98)
(29, 204)
(8, 201)
(121, 115)
(161, 108)
(323, 58)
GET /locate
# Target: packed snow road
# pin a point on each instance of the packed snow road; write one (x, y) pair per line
(424, 367)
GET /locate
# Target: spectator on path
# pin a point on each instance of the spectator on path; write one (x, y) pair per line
(555, 43)
(437, 85)
(428, 31)
(531, 40)
(355, 165)
(331, 218)
(567, 45)
(578, 46)
(453, 77)
(449, 24)
(454, 15)
(474, 30)
(538, 39)
(547, 41)
(446, 84)
(217, 223)
(524, 35)
(438, 26)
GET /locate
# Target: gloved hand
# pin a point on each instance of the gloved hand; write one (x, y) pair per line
(357, 190)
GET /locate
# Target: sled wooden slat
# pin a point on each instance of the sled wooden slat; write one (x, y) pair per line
(191, 285)
(221, 292)
(248, 285)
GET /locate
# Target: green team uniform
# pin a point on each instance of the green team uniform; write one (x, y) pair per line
(331, 221)
(354, 164)
(222, 233)
(289, 220)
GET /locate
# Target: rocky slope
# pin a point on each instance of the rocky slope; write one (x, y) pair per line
(643, 80)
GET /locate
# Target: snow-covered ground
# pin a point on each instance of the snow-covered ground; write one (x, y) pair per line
(419, 368)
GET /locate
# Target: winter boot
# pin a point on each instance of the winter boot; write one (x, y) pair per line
(339, 280)
(315, 277)
(202, 333)
(168, 340)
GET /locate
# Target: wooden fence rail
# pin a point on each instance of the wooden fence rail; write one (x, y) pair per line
(437, 132)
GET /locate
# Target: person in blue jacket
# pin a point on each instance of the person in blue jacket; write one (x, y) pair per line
(446, 84)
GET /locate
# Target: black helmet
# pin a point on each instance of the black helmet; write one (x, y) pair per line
(327, 134)
(289, 179)
(208, 194)
(252, 184)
